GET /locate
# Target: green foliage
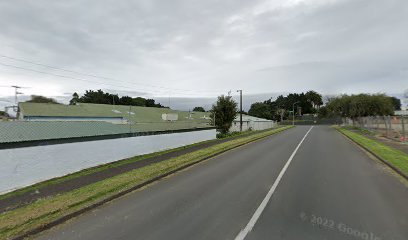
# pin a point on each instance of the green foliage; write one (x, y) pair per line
(314, 98)
(396, 102)
(75, 99)
(261, 110)
(361, 105)
(308, 103)
(232, 134)
(42, 99)
(198, 109)
(225, 110)
(100, 97)
(323, 112)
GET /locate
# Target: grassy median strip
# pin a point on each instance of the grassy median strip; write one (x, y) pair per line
(103, 167)
(94, 170)
(396, 158)
(44, 211)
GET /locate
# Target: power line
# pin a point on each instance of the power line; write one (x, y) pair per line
(77, 79)
(98, 76)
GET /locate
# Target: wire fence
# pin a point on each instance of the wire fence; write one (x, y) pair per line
(393, 127)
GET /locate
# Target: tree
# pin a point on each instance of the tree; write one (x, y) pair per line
(3, 114)
(75, 99)
(315, 98)
(198, 109)
(42, 99)
(323, 112)
(261, 110)
(100, 97)
(125, 100)
(361, 105)
(150, 103)
(139, 101)
(308, 102)
(224, 110)
(396, 102)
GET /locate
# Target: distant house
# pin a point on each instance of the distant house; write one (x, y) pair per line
(251, 123)
(401, 113)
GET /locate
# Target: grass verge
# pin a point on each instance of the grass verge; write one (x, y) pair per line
(45, 211)
(93, 170)
(395, 158)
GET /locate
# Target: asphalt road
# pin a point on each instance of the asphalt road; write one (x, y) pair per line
(328, 189)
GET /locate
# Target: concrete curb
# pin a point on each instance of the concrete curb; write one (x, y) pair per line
(120, 194)
(377, 156)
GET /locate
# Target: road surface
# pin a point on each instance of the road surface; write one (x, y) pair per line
(304, 183)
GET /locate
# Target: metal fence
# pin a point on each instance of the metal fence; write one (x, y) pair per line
(394, 127)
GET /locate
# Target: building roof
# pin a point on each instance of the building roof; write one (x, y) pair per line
(142, 119)
(20, 131)
(134, 113)
(23, 131)
(247, 118)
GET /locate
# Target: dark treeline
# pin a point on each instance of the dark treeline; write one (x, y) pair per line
(362, 105)
(198, 109)
(306, 103)
(311, 102)
(42, 99)
(100, 97)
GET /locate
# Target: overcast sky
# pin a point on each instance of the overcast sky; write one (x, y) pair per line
(187, 48)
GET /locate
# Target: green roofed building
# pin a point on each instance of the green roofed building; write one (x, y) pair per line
(137, 118)
(23, 131)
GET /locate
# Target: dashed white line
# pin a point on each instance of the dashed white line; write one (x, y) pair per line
(248, 228)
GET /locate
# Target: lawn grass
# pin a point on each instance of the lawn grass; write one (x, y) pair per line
(393, 156)
(236, 134)
(44, 211)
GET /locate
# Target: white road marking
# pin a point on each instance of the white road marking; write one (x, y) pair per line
(248, 228)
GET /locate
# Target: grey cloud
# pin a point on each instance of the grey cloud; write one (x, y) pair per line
(208, 47)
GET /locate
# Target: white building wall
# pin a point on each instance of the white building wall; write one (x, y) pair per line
(20, 167)
(253, 125)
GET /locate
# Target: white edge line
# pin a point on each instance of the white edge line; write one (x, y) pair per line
(248, 228)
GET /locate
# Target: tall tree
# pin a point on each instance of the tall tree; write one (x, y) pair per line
(224, 111)
(198, 109)
(42, 99)
(361, 105)
(100, 97)
(261, 110)
(75, 99)
(396, 102)
(308, 103)
(3, 114)
(315, 98)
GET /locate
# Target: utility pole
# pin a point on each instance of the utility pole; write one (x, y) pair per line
(240, 110)
(129, 121)
(403, 128)
(293, 112)
(16, 93)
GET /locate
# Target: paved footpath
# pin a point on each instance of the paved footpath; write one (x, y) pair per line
(304, 183)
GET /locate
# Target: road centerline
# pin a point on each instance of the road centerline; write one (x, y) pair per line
(248, 228)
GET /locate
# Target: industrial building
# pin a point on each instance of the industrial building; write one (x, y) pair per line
(251, 123)
(140, 118)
